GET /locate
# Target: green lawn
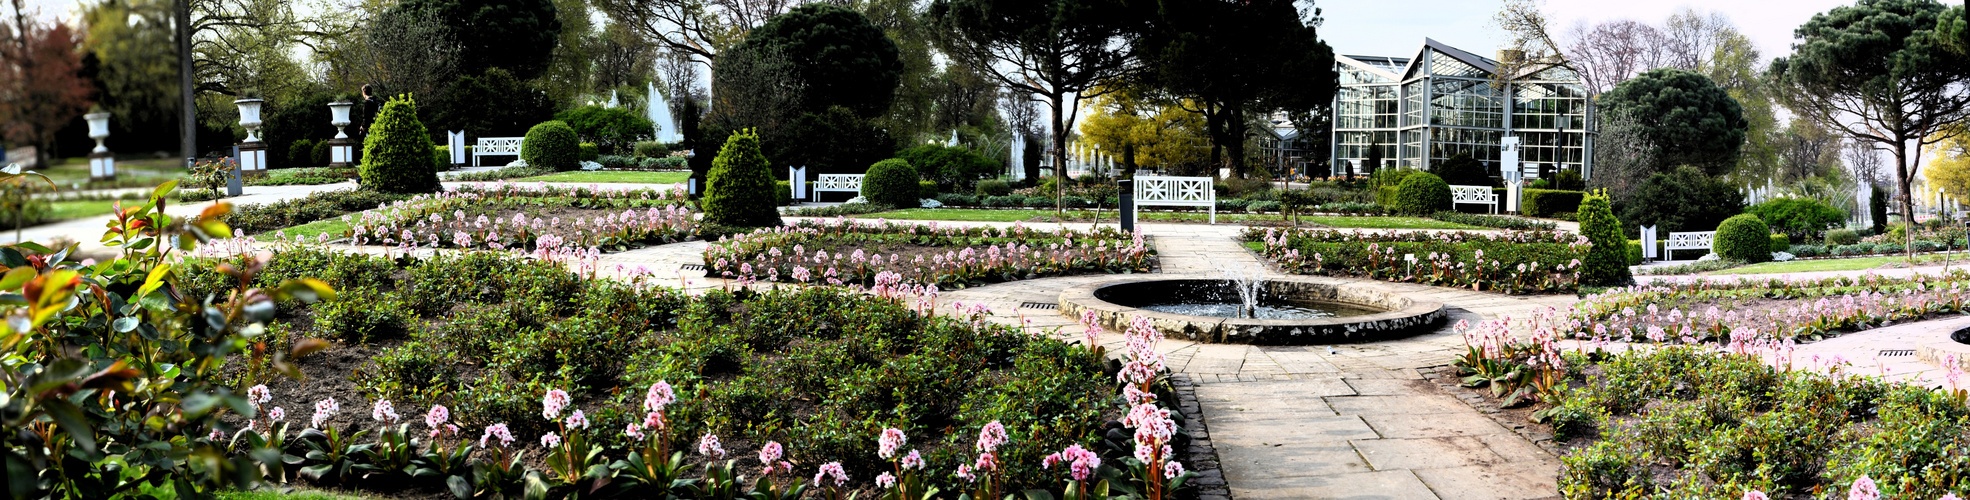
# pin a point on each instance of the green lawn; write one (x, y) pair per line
(976, 215)
(130, 172)
(77, 209)
(333, 226)
(1853, 264)
(612, 177)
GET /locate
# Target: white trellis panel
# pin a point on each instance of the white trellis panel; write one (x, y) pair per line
(1176, 192)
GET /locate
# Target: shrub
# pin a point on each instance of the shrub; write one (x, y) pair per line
(1923, 246)
(1461, 170)
(1494, 221)
(397, 154)
(613, 129)
(318, 155)
(1888, 248)
(1548, 202)
(668, 162)
(551, 145)
(1263, 206)
(1744, 237)
(926, 190)
(739, 188)
(361, 314)
(1635, 252)
(441, 158)
(1803, 219)
(957, 200)
(891, 182)
(299, 153)
(589, 151)
(651, 149)
(614, 161)
(959, 168)
(994, 187)
(785, 188)
(1422, 193)
(1606, 262)
(1840, 237)
(1568, 180)
(1781, 243)
(1385, 196)
(1807, 250)
(1005, 201)
(1681, 201)
(1506, 266)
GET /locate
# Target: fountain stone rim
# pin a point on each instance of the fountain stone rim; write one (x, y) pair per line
(1403, 315)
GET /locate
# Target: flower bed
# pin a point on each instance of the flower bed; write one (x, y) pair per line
(1511, 262)
(540, 218)
(1695, 422)
(842, 251)
(1748, 310)
(637, 392)
(1494, 221)
(255, 219)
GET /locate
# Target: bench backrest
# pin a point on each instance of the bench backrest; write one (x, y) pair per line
(1472, 194)
(498, 146)
(1174, 191)
(1690, 241)
(839, 182)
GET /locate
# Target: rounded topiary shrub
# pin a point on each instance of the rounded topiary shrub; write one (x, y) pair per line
(318, 155)
(1743, 237)
(1607, 259)
(891, 182)
(1422, 193)
(551, 145)
(590, 151)
(994, 187)
(1841, 237)
(397, 154)
(739, 189)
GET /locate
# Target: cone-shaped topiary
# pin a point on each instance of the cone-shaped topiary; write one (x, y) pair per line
(1743, 237)
(891, 182)
(1606, 264)
(551, 144)
(1422, 193)
(739, 188)
(397, 154)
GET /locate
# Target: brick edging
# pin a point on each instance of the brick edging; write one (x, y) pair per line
(1202, 455)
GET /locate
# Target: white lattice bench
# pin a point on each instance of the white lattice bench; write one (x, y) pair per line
(1473, 195)
(837, 183)
(1699, 240)
(496, 146)
(1164, 191)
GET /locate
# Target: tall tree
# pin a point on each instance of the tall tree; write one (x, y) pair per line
(1735, 67)
(138, 70)
(623, 58)
(226, 47)
(1148, 133)
(1805, 150)
(1954, 28)
(701, 29)
(1688, 120)
(40, 88)
(1055, 49)
(1235, 59)
(841, 58)
(1022, 118)
(1875, 72)
(518, 35)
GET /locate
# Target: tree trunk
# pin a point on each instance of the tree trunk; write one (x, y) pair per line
(188, 124)
(1058, 152)
(1234, 131)
(1128, 160)
(1902, 180)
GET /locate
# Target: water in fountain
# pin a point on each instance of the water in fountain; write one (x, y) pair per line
(1246, 282)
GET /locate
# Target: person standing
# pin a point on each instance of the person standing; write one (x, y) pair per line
(371, 106)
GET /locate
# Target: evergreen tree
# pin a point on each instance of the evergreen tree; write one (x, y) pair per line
(741, 187)
(398, 156)
(1607, 262)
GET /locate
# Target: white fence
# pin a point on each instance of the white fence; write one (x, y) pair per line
(1176, 192)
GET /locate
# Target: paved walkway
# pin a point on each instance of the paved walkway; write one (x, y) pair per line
(1343, 421)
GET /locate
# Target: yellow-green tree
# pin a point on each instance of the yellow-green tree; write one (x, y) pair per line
(1949, 166)
(1161, 135)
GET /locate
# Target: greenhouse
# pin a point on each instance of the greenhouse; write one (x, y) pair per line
(1379, 113)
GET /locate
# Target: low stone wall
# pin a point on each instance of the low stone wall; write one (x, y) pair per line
(1404, 316)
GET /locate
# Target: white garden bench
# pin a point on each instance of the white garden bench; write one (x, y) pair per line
(496, 146)
(837, 183)
(1699, 240)
(1164, 191)
(1473, 195)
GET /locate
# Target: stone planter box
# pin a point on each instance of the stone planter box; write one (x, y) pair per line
(1403, 317)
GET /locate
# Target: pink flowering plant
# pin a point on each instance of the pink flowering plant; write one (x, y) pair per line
(844, 251)
(1765, 310)
(651, 461)
(1515, 262)
(571, 460)
(496, 217)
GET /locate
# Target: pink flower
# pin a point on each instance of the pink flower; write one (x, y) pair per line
(708, 446)
(885, 481)
(658, 397)
(986, 462)
(550, 440)
(964, 471)
(892, 440)
(831, 469)
(259, 394)
(1755, 495)
(991, 437)
(552, 404)
(577, 420)
(384, 412)
(276, 415)
(654, 420)
(770, 453)
(497, 431)
(437, 416)
(633, 431)
(324, 410)
(1172, 469)
(1081, 462)
(1863, 489)
(913, 461)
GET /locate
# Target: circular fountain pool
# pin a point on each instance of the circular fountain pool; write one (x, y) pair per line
(1282, 310)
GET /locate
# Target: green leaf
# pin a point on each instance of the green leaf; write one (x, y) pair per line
(125, 324)
(163, 189)
(72, 421)
(1038, 495)
(459, 487)
(536, 489)
(154, 280)
(15, 278)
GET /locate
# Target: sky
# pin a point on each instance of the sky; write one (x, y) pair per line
(1397, 27)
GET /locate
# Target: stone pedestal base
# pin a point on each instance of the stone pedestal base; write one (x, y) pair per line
(341, 153)
(102, 166)
(253, 159)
